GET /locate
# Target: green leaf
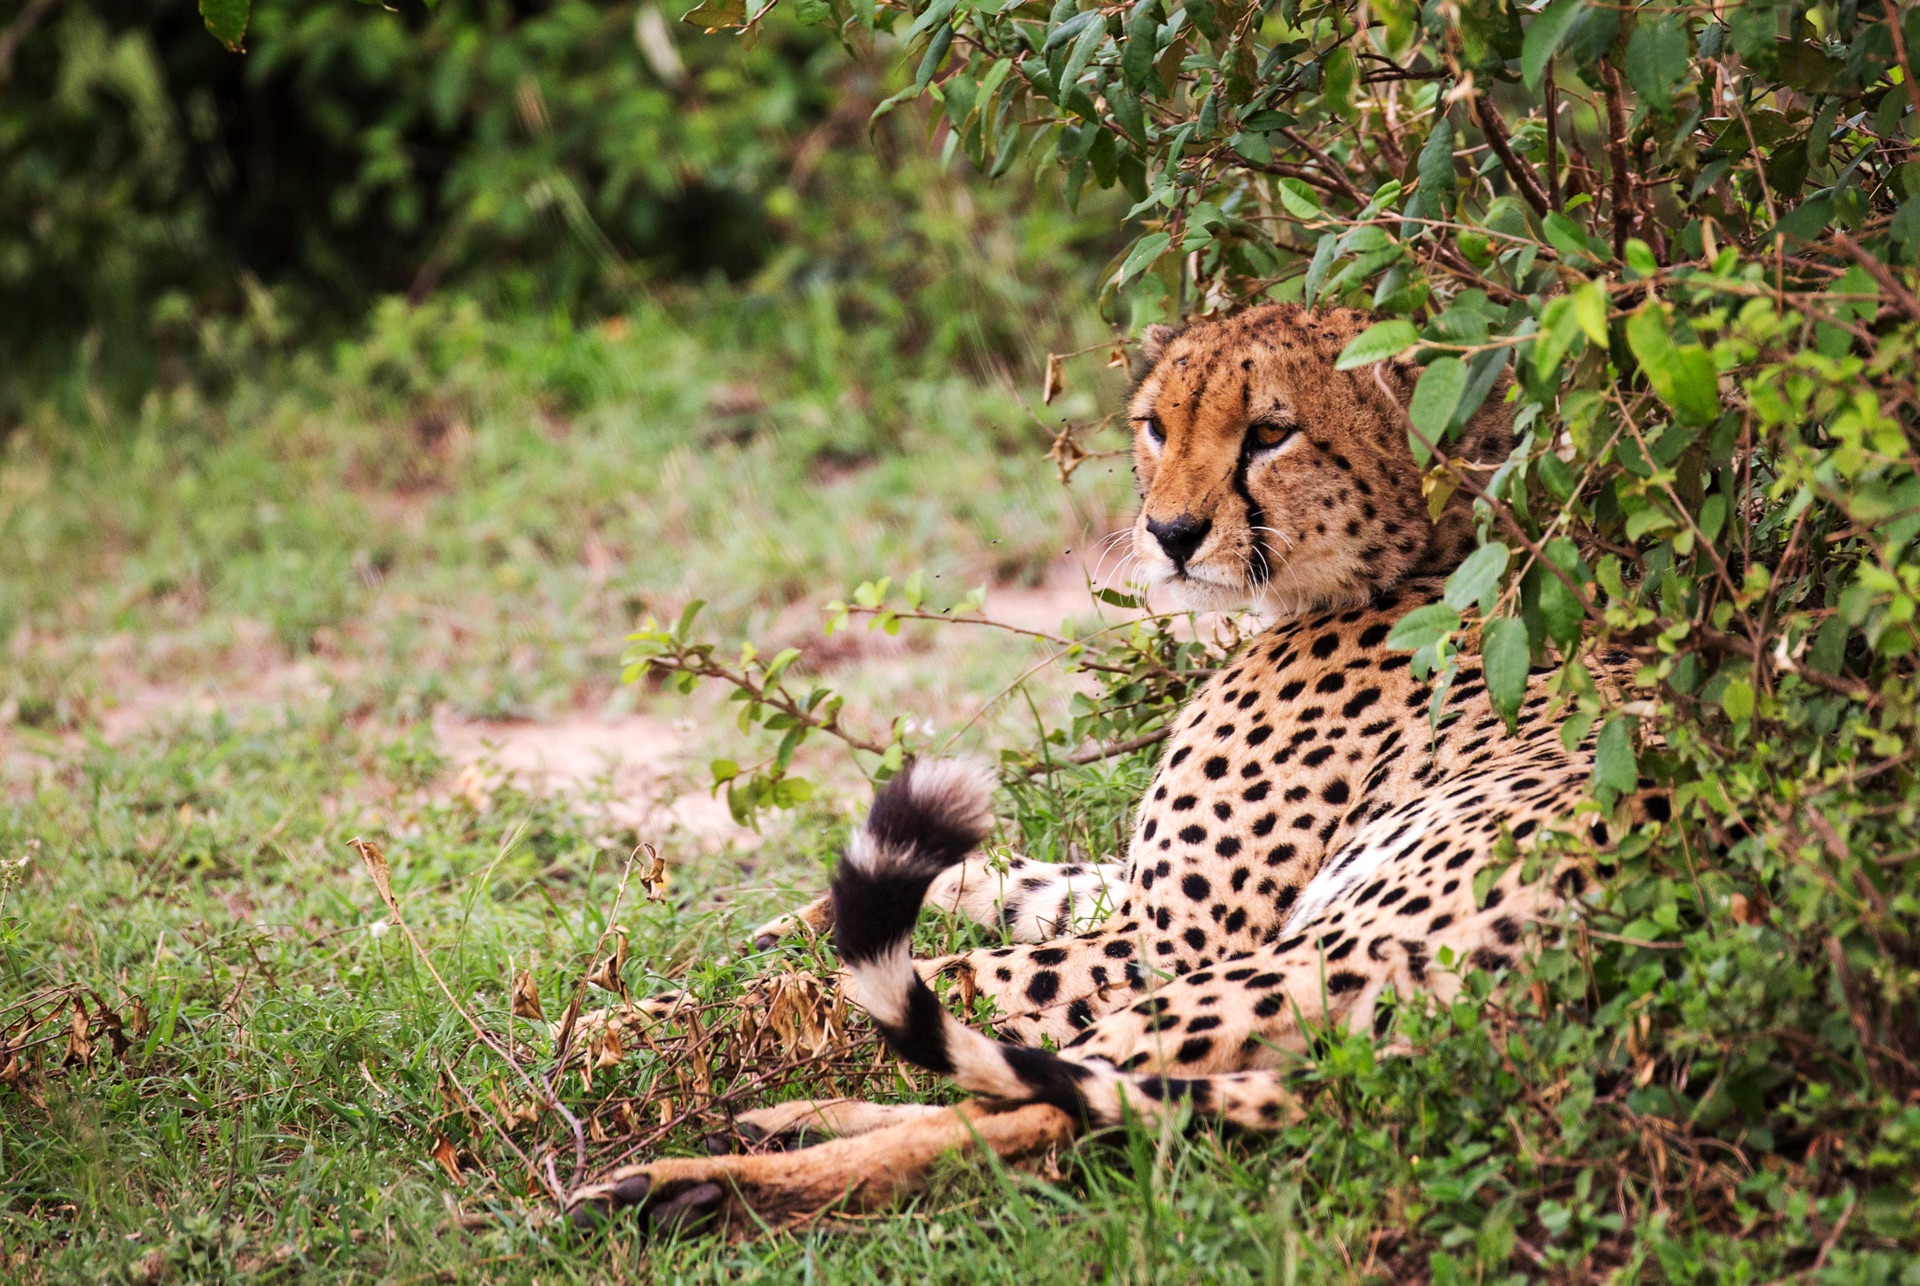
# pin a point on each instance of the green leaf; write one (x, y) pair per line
(1323, 256)
(1252, 146)
(1423, 626)
(1127, 111)
(1809, 220)
(716, 15)
(1737, 700)
(1590, 310)
(1682, 375)
(1505, 659)
(1436, 169)
(1559, 328)
(1082, 53)
(1435, 399)
(1478, 575)
(1556, 476)
(724, 770)
(1567, 237)
(936, 54)
(1301, 201)
(1613, 762)
(1136, 59)
(1543, 38)
(1377, 343)
(930, 17)
(1657, 58)
(227, 20)
(1829, 651)
(1339, 73)
(1558, 605)
(1144, 252)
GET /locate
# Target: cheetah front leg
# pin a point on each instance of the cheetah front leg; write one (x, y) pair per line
(1029, 901)
(742, 1195)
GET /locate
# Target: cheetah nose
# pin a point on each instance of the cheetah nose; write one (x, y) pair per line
(1180, 536)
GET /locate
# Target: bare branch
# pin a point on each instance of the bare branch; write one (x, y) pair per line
(1518, 170)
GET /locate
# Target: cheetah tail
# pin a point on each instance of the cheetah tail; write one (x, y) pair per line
(923, 821)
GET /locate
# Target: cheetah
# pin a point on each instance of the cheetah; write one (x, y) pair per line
(1310, 840)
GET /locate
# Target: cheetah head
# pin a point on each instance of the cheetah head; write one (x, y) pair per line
(1271, 480)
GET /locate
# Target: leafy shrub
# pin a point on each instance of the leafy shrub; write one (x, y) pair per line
(173, 210)
(1681, 236)
(354, 151)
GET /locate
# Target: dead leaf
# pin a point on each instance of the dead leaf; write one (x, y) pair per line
(1438, 485)
(79, 1048)
(526, 997)
(449, 1159)
(654, 878)
(563, 1030)
(527, 1114)
(607, 974)
(1055, 381)
(113, 1028)
(1117, 360)
(608, 1051)
(142, 1021)
(376, 863)
(1066, 453)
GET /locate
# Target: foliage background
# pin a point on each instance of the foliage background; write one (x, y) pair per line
(508, 258)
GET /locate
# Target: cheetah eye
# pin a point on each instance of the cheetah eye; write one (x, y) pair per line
(1155, 430)
(1268, 434)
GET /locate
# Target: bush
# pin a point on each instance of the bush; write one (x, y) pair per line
(550, 151)
(1685, 236)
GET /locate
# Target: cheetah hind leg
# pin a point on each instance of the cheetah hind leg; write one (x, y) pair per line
(743, 1195)
(1032, 901)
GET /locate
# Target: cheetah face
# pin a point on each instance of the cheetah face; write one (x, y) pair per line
(1268, 478)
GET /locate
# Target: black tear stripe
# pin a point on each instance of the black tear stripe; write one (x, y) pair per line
(1260, 566)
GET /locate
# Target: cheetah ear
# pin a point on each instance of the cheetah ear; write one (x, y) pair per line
(1153, 346)
(1154, 341)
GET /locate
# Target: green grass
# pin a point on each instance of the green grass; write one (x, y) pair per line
(466, 514)
(478, 512)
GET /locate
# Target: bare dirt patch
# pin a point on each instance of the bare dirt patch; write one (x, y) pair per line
(637, 758)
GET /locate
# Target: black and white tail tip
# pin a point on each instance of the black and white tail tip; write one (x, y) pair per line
(923, 821)
(929, 817)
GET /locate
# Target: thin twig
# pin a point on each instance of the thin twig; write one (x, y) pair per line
(1518, 170)
(1095, 754)
(1879, 271)
(1617, 158)
(1895, 21)
(1553, 138)
(29, 17)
